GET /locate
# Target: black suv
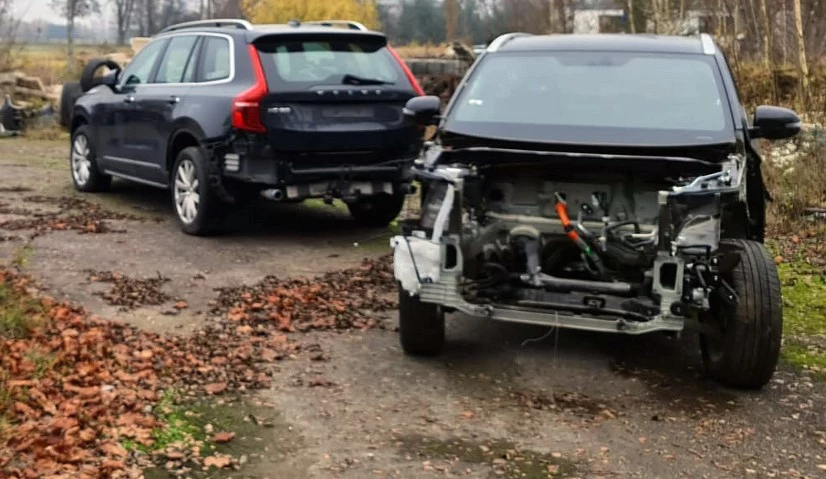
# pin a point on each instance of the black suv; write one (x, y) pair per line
(605, 183)
(222, 111)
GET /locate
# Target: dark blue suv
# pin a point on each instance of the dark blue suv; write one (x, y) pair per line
(222, 111)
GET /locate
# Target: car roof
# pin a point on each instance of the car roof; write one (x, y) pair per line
(262, 30)
(605, 42)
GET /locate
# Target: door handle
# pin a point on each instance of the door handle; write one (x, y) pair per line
(173, 100)
(129, 99)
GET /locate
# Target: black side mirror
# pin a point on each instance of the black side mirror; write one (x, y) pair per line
(424, 110)
(774, 123)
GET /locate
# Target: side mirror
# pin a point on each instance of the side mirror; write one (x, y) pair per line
(424, 110)
(774, 123)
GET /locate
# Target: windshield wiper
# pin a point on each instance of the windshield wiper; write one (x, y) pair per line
(355, 80)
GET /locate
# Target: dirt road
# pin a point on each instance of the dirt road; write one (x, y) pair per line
(504, 401)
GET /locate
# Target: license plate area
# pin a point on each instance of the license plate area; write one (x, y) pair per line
(348, 112)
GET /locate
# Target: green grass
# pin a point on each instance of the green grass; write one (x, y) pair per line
(19, 315)
(804, 316)
(180, 427)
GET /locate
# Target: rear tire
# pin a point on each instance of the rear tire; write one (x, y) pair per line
(747, 354)
(83, 163)
(71, 92)
(197, 208)
(376, 211)
(421, 326)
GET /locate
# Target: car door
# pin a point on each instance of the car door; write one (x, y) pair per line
(157, 104)
(118, 151)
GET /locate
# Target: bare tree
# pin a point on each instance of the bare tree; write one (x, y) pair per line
(71, 11)
(766, 31)
(8, 34)
(451, 19)
(803, 66)
(123, 12)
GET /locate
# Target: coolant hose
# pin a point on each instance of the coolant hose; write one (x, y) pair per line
(562, 211)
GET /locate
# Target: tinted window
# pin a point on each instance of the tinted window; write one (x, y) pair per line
(593, 97)
(176, 59)
(140, 67)
(294, 63)
(215, 61)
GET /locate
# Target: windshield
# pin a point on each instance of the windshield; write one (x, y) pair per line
(304, 63)
(595, 98)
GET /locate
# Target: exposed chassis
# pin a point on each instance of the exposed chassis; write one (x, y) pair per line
(424, 267)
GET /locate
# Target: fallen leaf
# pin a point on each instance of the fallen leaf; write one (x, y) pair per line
(219, 462)
(222, 437)
(181, 305)
(215, 388)
(468, 414)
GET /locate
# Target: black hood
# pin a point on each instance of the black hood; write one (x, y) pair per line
(708, 153)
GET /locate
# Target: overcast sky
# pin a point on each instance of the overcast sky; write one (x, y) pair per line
(42, 9)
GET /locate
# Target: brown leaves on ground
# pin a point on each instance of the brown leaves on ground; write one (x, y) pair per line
(808, 247)
(336, 300)
(130, 293)
(70, 213)
(68, 416)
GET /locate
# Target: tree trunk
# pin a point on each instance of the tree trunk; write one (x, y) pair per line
(631, 20)
(802, 64)
(767, 34)
(70, 45)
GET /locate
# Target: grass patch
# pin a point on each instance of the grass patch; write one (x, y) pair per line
(22, 256)
(180, 429)
(804, 316)
(19, 315)
(505, 458)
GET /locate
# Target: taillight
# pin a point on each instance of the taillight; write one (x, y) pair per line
(246, 107)
(409, 74)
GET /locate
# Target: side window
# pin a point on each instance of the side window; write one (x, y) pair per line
(175, 59)
(141, 66)
(215, 61)
(192, 64)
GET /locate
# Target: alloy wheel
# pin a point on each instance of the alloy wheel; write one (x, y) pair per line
(81, 164)
(186, 193)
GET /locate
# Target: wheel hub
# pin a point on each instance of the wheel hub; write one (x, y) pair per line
(187, 197)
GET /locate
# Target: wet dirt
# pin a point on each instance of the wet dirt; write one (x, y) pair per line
(570, 404)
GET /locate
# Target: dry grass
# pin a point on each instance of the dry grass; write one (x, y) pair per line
(414, 50)
(50, 64)
(795, 187)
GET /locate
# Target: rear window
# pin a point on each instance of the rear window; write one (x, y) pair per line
(304, 62)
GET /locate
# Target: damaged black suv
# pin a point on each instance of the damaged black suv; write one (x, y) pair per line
(221, 111)
(606, 183)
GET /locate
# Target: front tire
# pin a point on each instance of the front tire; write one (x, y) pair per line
(198, 210)
(376, 211)
(83, 163)
(421, 326)
(747, 354)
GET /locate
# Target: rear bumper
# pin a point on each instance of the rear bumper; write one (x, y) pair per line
(271, 170)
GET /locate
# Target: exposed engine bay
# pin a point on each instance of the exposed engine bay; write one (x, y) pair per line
(580, 241)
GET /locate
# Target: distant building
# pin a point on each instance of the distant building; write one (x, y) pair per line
(598, 20)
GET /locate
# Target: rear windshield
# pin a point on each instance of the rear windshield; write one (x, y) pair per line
(593, 97)
(295, 64)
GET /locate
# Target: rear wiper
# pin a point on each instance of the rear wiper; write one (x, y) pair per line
(355, 80)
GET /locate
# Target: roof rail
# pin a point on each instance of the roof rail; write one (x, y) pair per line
(345, 23)
(503, 39)
(215, 22)
(708, 44)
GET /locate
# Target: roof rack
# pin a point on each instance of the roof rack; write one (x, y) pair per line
(215, 22)
(342, 23)
(503, 39)
(708, 44)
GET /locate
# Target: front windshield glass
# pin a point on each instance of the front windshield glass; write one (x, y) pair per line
(594, 97)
